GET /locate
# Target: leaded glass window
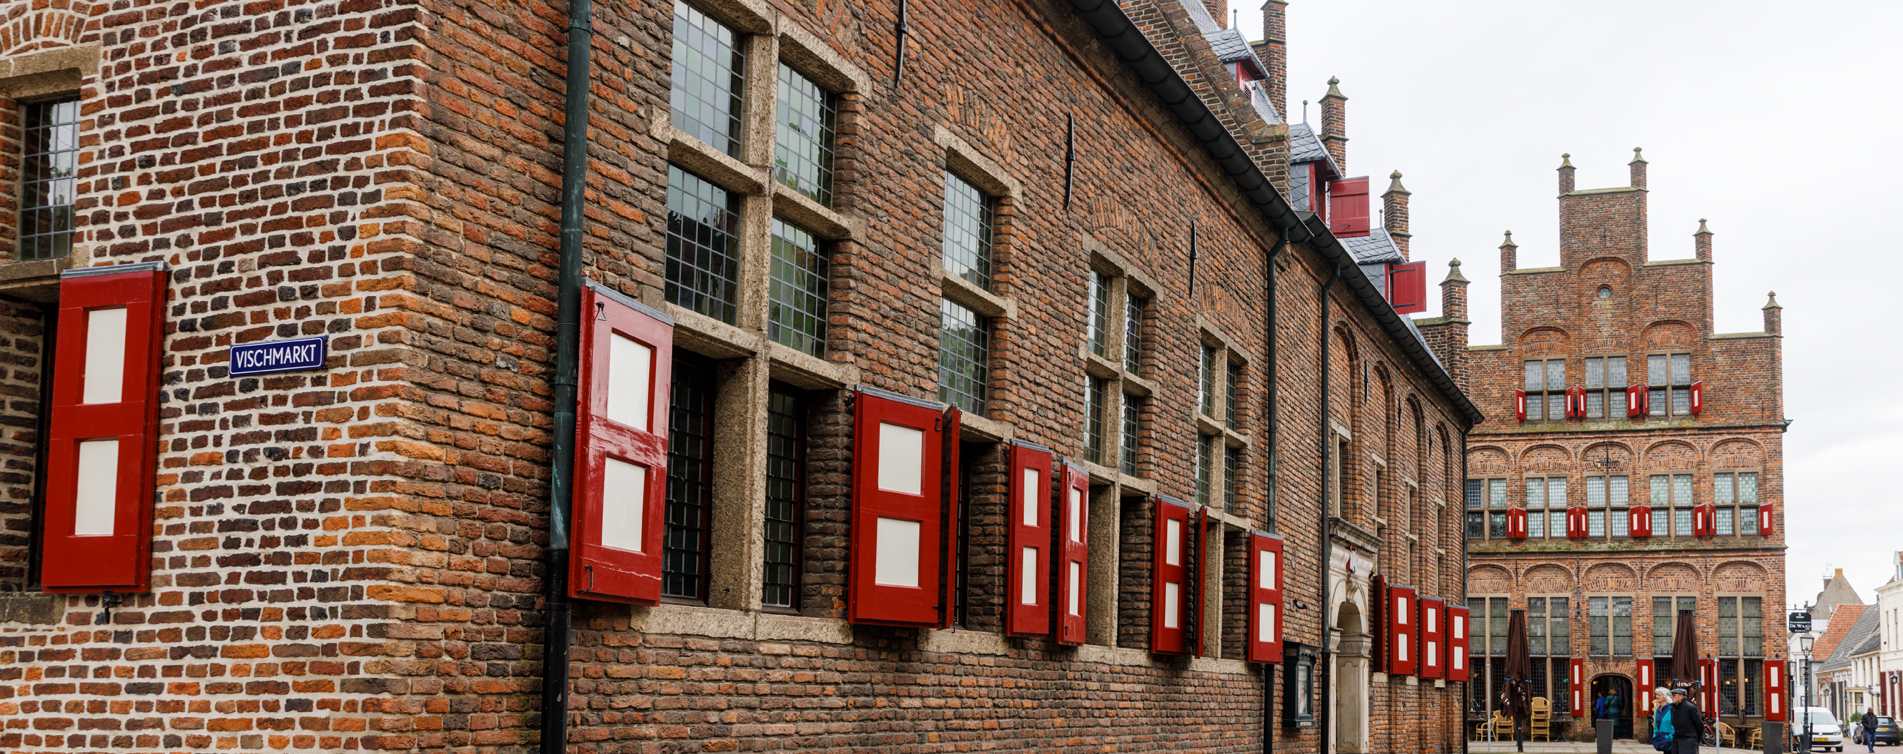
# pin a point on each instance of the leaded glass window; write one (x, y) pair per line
(968, 224)
(50, 156)
(1094, 396)
(1205, 468)
(703, 250)
(705, 91)
(1206, 381)
(1669, 380)
(785, 496)
(797, 294)
(1132, 430)
(1605, 386)
(690, 478)
(1735, 495)
(1665, 625)
(1476, 510)
(1545, 390)
(1098, 326)
(1497, 505)
(1232, 405)
(1133, 310)
(803, 139)
(1231, 477)
(964, 357)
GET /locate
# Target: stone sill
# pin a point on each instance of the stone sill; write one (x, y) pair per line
(30, 609)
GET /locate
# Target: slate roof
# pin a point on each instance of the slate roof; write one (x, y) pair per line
(1231, 46)
(1837, 591)
(1376, 247)
(1860, 639)
(1304, 145)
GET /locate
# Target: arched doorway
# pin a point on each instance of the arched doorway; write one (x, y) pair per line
(1621, 713)
(1349, 676)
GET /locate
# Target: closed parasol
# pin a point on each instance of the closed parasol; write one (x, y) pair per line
(1684, 670)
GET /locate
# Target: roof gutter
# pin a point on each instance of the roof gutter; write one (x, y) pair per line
(1107, 19)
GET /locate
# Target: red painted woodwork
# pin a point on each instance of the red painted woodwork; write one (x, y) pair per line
(1776, 698)
(1265, 598)
(1766, 520)
(1704, 520)
(1708, 684)
(1348, 207)
(1635, 400)
(1639, 521)
(1073, 538)
(1459, 645)
(1516, 523)
(1169, 577)
(1403, 631)
(1433, 644)
(1576, 686)
(1407, 287)
(1576, 523)
(948, 554)
(907, 504)
(1698, 398)
(1028, 542)
(1519, 405)
(1644, 692)
(115, 557)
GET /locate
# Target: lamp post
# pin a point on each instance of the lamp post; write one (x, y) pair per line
(1804, 641)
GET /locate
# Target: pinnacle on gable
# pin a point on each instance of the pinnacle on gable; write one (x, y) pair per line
(1509, 241)
(1771, 301)
(1334, 88)
(1453, 272)
(1638, 155)
(1702, 230)
(1394, 184)
(1565, 160)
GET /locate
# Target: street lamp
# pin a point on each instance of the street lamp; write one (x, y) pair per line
(1804, 642)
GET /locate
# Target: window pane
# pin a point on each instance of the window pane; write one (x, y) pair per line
(1473, 495)
(1595, 492)
(704, 93)
(1655, 374)
(1556, 522)
(1536, 625)
(1661, 490)
(1497, 525)
(1556, 492)
(1753, 671)
(1728, 626)
(1622, 626)
(49, 156)
(1681, 369)
(1748, 520)
(1097, 329)
(1132, 427)
(1600, 620)
(1535, 494)
(1556, 404)
(1497, 489)
(1232, 406)
(797, 293)
(1560, 632)
(1133, 308)
(967, 241)
(1682, 489)
(1535, 407)
(1725, 521)
(1535, 524)
(1681, 401)
(1556, 375)
(1657, 402)
(785, 495)
(1728, 687)
(1661, 522)
(1595, 373)
(1232, 477)
(1615, 372)
(1596, 523)
(1596, 405)
(1721, 489)
(703, 253)
(1535, 376)
(690, 478)
(1203, 468)
(1682, 521)
(1093, 419)
(1662, 626)
(1747, 488)
(1206, 385)
(803, 139)
(1617, 491)
(964, 352)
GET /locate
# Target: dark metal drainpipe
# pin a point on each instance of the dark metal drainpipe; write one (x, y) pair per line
(1269, 418)
(1327, 528)
(1460, 715)
(567, 354)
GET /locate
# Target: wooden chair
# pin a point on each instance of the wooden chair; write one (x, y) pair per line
(1541, 720)
(1757, 739)
(1727, 736)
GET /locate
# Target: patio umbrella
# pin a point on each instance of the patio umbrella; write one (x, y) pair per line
(1684, 670)
(1519, 669)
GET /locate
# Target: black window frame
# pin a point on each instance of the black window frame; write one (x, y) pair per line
(970, 214)
(688, 533)
(964, 361)
(727, 60)
(801, 106)
(799, 288)
(48, 183)
(703, 253)
(782, 567)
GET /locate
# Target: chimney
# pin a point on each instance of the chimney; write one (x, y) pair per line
(1335, 123)
(1565, 174)
(1701, 242)
(1394, 212)
(1219, 9)
(1509, 253)
(1638, 168)
(1773, 315)
(1453, 293)
(1275, 45)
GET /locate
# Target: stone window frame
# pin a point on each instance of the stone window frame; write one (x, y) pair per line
(1486, 513)
(1671, 620)
(1613, 397)
(1617, 526)
(1743, 657)
(1547, 392)
(1547, 509)
(1612, 635)
(1214, 429)
(1743, 526)
(992, 303)
(1660, 406)
(1671, 506)
(1559, 681)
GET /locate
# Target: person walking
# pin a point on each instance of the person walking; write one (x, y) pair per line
(1687, 722)
(1867, 728)
(1662, 719)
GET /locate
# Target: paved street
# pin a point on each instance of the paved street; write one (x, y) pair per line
(1576, 747)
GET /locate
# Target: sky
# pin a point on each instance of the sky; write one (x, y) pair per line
(1782, 123)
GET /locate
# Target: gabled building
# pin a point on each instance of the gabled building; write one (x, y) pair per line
(1846, 670)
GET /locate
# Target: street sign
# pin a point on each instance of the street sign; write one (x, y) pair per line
(294, 355)
(1798, 621)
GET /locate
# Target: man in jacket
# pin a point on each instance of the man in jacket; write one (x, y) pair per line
(1867, 728)
(1687, 723)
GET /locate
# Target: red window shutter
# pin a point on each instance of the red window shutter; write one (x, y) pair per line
(1516, 523)
(1519, 405)
(102, 435)
(1348, 207)
(1265, 598)
(1073, 561)
(1639, 521)
(1635, 401)
(1433, 625)
(1646, 684)
(1378, 623)
(948, 552)
(1404, 631)
(1698, 398)
(1458, 645)
(1028, 542)
(897, 510)
(1708, 683)
(1576, 527)
(1170, 585)
(1765, 520)
(1407, 287)
(627, 355)
(1576, 686)
(1317, 190)
(1704, 520)
(1774, 692)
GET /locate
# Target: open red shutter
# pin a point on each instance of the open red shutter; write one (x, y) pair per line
(1774, 693)
(950, 491)
(1765, 520)
(1634, 401)
(1404, 634)
(1519, 405)
(897, 510)
(1708, 684)
(1265, 598)
(1433, 639)
(1378, 621)
(1169, 577)
(1073, 562)
(620, 493)
(102, 438)
(1516, 523)
(1644, 692)
(1698, 398)
(1576, 523)
(1458, 645)
(1348, 207)
(1639, 521)
(1576, 686)
(1028, 540)
(1407, 287)
(1704, 520)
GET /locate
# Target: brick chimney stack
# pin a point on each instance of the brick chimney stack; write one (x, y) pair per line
(1565, 174)
(1638, 168)
(1220, 10)
(1453, 293)
(1773, 315)
(1274, 52)
(1394, 212)
(1701, 241)
(1335, 123)
(1509, 254)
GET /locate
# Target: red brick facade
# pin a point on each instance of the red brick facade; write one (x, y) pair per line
(1610, 298)
(353, 558)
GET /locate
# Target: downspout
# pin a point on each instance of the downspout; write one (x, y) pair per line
(1269, 418)
(1460, 714)
(1327, 526)
(567, 354)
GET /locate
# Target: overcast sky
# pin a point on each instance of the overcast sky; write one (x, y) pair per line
(1781, 122)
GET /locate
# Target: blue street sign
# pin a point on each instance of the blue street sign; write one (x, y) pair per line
(298, 354)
